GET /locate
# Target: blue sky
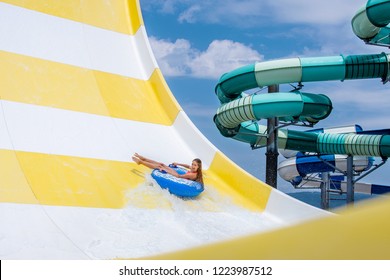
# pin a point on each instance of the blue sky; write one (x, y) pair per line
(195, 42)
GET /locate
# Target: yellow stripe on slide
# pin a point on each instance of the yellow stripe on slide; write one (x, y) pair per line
(124, 16)
(68, 87)
(66, 181)
(132, 99)
(36, 178)
(13, 184)
(245, 189)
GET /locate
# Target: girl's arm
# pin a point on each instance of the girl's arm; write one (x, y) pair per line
(182, 164)
(190, 176)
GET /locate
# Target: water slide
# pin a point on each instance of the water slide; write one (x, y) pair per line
(305, 170)
(235, 117)
(81, 92)
(370, 23)
(238, 111)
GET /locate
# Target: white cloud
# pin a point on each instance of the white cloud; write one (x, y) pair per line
(223, 56)
(179, 58)
(224, 12)
(324, 26)
(243, 13)
(252, 12)
(173, 57)
(189, 15)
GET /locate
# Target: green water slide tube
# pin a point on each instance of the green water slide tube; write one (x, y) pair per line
(370, 22)
(237, 116)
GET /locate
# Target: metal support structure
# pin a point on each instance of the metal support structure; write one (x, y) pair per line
(267, 133)
(325, 187)
(350, 174)
(272, 153)
(350, 181)
(384, 160)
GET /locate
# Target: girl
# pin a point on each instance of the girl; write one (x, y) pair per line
(194, 173)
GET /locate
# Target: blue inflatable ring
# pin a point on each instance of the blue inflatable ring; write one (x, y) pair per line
(177, 186)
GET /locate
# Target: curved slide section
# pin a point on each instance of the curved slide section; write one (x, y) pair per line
(233, 119)
(370, 22)
(294, 169)
(304, 170)
(287, 106)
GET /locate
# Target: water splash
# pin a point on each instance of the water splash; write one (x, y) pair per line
(155, 222)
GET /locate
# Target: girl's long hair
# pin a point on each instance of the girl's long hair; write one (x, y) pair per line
(199, 174)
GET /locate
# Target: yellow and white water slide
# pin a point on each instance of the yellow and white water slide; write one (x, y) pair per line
(80, 92)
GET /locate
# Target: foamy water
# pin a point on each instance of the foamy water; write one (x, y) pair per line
(172, 223)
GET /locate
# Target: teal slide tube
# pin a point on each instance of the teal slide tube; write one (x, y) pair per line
(370, 23)
(238, 109)
(378, 12)
(238, 112)
(237, 116)
(311, 69)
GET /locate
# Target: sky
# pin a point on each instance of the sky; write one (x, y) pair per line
(195, 42)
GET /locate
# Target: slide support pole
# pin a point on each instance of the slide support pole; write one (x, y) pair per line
(350, 183)
(271, 175)
(325, 187)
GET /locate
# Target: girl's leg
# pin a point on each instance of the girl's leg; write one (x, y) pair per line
(146, 159)
(153, 164)
(150, 164)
